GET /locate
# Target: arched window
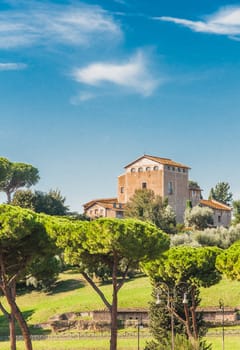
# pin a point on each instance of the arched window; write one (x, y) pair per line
(133, 170)
(155, 167)
(148, 168)
(140, 170)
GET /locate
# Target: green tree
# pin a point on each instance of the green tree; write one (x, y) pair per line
(182, 270)
(23, 239)
(5, 165)
(193, 184)
(145, 205)
(221, 192)
(117, 245)
(16, 175)
(236, 212)
(51, 203)
(198, 217)
(228, 262)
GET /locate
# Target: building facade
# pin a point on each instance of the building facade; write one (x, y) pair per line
(166, 178)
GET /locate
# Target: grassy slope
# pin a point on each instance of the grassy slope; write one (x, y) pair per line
(73, 294)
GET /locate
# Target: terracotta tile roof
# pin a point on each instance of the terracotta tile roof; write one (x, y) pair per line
(100, 200)
(211, 203)
(164, 161)
(106, 203)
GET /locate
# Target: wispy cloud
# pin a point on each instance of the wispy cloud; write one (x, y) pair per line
(12, 66)
(82, 97)
(44, 23)
(225, 21)
(132, 75)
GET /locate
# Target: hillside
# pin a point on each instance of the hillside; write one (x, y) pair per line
(73, 294)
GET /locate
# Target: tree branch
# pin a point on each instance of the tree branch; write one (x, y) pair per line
(95, 287)
(120, 284)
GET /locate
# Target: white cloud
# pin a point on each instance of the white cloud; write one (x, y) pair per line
(82, 97)
(132, 75)
(12, 66)
(44, 23)
(226, 21)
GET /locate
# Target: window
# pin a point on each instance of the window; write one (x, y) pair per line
(173, 168)
(155, 167)
(179, 170)
(148, 168)
(219, 218)
(121, 189)
(168, 167)
(96, 211)
(184, 170)
(140, 170)
(144, 185)
(133, 170)
(170, 188)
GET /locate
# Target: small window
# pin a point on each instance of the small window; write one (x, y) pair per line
(184, 170)
(96, 211)
(133, 170)
(173, 168)
(140, 170)
(121, 189)
(148, 168)
(179, 170)
(219, 218)
(119, 214)
(144, 185)
(156, 167)
(168, 167)
(170, 188)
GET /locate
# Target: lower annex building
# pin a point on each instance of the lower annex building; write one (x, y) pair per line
(166, 178)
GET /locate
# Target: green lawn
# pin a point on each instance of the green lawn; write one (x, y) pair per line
(73, 294)
(231, 343)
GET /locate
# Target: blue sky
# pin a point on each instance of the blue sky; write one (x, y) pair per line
(87, 87)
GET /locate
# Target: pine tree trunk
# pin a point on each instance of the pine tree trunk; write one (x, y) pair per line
(19, 317)
(113, 340)
(12, 332)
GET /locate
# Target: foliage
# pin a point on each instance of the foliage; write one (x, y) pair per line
(145, 205)
(51, 203)
(229, 262)
(185, 238)
(217, 237)
(221, 192)
(220, 236)
(114, 244)
(182, 270)
(15, 176)
(236, 212)
(193, 184)
(23, 239)
(43, 272)
(180, 343)
(198, 217)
